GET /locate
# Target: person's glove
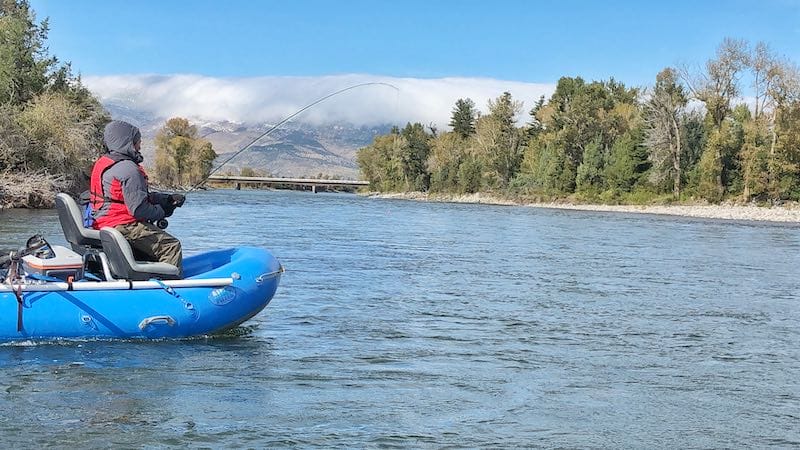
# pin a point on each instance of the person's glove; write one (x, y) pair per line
(169, 208)
(178, 199)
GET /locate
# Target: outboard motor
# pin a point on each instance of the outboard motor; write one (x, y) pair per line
(38, 257)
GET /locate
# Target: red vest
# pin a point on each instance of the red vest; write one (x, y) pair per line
(117, 213)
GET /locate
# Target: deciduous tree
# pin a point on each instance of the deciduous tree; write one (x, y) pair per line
(182, 158)
(663, 115)
(499, 141)
(717, 87)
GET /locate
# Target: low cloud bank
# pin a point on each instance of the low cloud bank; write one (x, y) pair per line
(270, 99)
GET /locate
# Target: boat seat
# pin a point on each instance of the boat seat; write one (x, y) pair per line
(80, 238)
(123, 265)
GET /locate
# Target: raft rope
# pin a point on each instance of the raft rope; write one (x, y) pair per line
(20, 307)
(12, 277)
(264, 276)
(171, 291)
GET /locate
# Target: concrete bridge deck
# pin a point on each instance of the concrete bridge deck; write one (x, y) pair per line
(313, 183)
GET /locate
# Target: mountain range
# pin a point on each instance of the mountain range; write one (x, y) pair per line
(295, 149)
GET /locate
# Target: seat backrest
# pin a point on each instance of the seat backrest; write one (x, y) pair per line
(79, 237)
(123, 265)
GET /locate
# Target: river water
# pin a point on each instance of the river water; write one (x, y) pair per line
(406, 324)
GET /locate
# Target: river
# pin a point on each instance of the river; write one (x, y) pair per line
(409, 324)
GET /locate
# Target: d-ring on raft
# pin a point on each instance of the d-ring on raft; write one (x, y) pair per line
(97, 290)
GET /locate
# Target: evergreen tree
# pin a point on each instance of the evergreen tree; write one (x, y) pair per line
(463, 118)
(715, 170)
(414, 156)
(545, 168)
(627, 163)
(577, 116)
(535, 126)
(589, 175)
(25, 67)
(469, 176)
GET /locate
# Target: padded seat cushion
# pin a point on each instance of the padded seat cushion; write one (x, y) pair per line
(122, 263)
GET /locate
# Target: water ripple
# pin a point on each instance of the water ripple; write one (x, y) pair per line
(401, 324)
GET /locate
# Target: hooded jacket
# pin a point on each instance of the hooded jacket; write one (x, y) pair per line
(119, 192)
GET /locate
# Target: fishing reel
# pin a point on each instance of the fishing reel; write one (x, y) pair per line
(160, 224)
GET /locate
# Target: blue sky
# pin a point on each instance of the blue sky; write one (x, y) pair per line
(511, 41)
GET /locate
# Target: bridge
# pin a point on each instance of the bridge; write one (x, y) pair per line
(312, 183)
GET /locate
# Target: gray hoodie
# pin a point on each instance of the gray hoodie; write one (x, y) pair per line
(119, 138)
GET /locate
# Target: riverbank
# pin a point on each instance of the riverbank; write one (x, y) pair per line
(782, 214)
(31, 190)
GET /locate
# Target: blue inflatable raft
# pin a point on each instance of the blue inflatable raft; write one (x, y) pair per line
(55, 294)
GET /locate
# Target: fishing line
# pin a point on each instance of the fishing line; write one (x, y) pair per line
(275, 127)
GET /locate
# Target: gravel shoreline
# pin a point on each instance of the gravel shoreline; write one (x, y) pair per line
(783, 214)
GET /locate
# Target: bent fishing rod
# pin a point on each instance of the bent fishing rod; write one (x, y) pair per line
(288, 118)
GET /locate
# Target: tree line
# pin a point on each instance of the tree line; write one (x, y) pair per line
(689, 137)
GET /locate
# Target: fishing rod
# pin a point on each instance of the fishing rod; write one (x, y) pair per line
(277, 125)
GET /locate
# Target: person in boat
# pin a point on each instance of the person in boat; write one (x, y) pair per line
(120, 198)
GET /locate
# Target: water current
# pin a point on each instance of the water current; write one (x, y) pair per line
(421, 325)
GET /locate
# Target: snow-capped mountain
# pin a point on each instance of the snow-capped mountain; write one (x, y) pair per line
(294, 149)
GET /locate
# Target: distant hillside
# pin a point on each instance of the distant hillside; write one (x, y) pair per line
(294, 150)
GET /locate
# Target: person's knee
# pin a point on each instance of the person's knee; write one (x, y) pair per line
(175, 245)
(172, 248)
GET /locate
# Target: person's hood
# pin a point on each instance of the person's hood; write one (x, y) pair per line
(119, 138)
